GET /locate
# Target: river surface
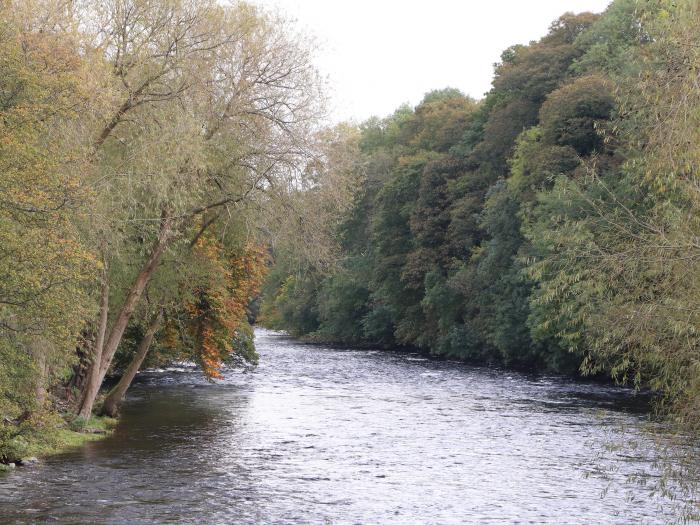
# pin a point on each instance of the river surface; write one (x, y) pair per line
(322, 435)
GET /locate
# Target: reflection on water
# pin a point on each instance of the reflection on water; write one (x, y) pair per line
(320, 435)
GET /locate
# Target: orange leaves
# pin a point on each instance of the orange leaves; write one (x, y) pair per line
(210, 359)
(219, 308)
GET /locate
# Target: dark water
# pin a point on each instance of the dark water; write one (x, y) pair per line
(316, 435)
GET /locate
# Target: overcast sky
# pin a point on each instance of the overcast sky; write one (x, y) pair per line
(378, 54)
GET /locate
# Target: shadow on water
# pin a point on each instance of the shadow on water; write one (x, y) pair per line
(323, 435)
(179, 415)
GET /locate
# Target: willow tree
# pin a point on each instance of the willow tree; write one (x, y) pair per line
(211, 109)
(616, 250)
(206, 320)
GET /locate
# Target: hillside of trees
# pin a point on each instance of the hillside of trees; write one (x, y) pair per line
(553, 225)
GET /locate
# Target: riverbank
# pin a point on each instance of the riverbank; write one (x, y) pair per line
(529, 369)
(71, 433)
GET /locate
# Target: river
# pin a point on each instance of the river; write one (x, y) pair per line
(322, 435)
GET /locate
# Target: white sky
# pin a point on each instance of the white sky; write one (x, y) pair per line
(378, 54)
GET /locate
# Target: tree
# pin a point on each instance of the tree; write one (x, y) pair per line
(43, 262)
(618, 266)
(233, 72)
(570, 115)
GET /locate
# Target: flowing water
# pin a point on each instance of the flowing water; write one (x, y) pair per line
(322, 435)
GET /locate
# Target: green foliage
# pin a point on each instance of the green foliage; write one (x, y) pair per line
(17, 383)
(44, 263)
(610, 43)
(118, 158)
(342, 305)
(543, 227)
(432, 242)
(291, 304)
(243, 345)
(570, 116)
(613, 250)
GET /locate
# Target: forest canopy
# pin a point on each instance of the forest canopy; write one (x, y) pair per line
(550, 226)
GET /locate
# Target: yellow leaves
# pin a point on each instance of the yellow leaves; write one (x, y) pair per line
(43, 263)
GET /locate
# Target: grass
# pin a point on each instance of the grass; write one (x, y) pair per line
(61, 440)
(93, 424)
(55, 439)
(79, 432)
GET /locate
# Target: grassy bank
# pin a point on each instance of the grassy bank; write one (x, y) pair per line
(50, 439)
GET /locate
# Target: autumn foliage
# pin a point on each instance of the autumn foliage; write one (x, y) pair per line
(218, 310)
(123, 125)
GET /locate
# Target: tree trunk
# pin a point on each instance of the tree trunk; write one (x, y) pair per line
(116, 396)
(92, 384)
(132, 299)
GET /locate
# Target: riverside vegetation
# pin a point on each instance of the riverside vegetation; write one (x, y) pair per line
(551, 226)
(145, 146)
(159, 157)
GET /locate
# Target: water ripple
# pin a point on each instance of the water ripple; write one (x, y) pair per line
(323, 435)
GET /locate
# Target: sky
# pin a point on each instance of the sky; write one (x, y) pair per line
(378, 54)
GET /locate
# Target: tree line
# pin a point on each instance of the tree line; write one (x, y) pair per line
(552, 225)
(144, 148)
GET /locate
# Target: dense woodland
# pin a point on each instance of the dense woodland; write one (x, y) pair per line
(162, 162)
(552, 225)
(146, 147)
